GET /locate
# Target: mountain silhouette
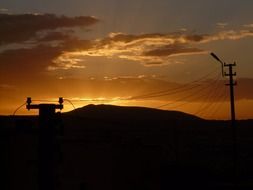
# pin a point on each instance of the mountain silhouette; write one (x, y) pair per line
(128, 112)
(117, 147)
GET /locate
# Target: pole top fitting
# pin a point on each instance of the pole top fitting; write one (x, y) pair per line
(61, 100)
(28, 102)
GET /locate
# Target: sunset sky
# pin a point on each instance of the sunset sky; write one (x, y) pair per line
(152, 53)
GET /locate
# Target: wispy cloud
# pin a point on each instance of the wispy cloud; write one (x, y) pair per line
(65, 62)
(248, 25)
(152, 49)
(7, 87)
(172, 50)
(4, 10)
(228, 35)
(144, 48)
(221, 24)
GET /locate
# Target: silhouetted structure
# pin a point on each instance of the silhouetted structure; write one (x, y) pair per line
(231, 85)
(111, 147)
(46, 142)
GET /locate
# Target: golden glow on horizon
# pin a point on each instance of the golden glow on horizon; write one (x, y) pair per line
(220, 110)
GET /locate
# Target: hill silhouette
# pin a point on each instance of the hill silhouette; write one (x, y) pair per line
(117, 147)
(127, 112)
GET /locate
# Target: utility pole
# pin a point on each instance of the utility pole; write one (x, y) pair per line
(231, 85)
(46, 142)
(231, 75)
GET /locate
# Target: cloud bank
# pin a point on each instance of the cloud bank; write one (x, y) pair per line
(29, 43)
(47, 43)
(19, 28)
(153, 49)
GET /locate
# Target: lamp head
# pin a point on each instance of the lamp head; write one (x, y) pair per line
(215, 57)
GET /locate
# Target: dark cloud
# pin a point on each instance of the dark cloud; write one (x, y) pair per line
(54, 36)
(75, 44)
(33, 62)
(172, 50)
(19, 28)
(195, 37)
(51, 36)
(21, 64)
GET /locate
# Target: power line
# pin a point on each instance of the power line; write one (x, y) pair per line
(218, 105)
(68, 100)
(193, 94)
(179, 90)
(211, 97)
(164, 92)
(208, 105)
(18, 108)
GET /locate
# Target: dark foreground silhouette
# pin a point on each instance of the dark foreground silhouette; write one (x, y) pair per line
(123, 148)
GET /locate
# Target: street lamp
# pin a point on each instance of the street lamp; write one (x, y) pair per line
(222, 64)
(231, 74)
(231, 82)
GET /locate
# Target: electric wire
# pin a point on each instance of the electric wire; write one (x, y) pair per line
(210, 98)
(173, 92)
(225, 96)
(42, 100)
(205, 107)
(168, 91)
(18, 108)
(197, 94)
(68, 100)
(216, 105)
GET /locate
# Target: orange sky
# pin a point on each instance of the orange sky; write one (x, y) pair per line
(153, 54)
